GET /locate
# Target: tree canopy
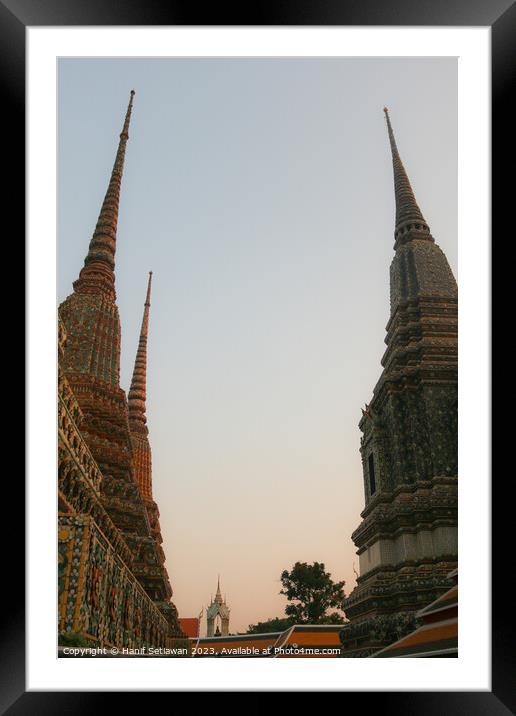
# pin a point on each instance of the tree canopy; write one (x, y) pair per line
(271, 625)
(311, 592)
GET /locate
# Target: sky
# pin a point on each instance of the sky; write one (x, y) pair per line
(259, 192)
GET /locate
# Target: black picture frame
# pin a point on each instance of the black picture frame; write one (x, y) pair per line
(15, 17)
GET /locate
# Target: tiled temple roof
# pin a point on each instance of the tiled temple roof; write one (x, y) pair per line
(293, 641)
(190, 626)
(438, 636)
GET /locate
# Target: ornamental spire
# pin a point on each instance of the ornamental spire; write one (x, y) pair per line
(138, 390)
(410, 223)
(218, 596)
(99, 264)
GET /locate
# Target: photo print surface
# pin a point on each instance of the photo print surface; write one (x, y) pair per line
(257, 292)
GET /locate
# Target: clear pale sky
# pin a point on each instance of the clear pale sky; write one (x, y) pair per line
(260, 193)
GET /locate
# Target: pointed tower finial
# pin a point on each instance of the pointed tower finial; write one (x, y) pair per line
(147, 300)
(99, 264)
(410, 223)
(218, 595)
(138, 390)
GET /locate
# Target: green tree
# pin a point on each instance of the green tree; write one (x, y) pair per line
(311, 592)
(271, 625)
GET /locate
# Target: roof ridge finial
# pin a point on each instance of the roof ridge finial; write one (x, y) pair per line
(410, 222)
(99, 264)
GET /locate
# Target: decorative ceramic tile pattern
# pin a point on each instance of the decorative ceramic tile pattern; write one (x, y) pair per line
(99, 598)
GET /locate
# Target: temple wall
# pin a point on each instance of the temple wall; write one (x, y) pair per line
(99, 598)
(409, 546)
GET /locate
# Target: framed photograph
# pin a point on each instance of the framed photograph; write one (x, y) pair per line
(255, 237)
